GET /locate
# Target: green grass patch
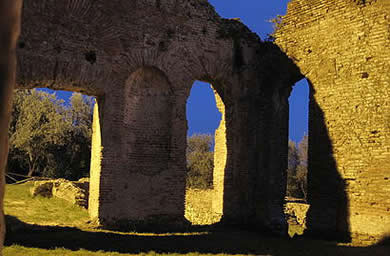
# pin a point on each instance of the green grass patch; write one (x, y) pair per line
(19, 202)
(42, 226)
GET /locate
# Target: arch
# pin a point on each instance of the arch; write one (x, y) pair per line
(205, 206)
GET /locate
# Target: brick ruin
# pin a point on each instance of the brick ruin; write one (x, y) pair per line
(141, 68)
(342, 48)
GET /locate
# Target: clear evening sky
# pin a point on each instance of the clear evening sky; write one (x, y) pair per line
(202, 115)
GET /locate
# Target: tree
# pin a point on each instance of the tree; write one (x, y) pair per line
(48, 138)
(37, 124)
(200, 161)
(297, 169)
(293, 157)
(293, 189)
(78, 146)
(301, 174)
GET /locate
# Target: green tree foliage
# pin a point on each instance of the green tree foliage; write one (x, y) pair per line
(78, 140)
(48, 138)
(297, 169)
(200, 161)
(301, 174)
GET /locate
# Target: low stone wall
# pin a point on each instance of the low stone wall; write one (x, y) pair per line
(75, 192)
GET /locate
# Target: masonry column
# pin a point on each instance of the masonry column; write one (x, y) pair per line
(220, 158)
(270, 145)
(251, 161)
(142, 178)
(237, 184)
(96, 158)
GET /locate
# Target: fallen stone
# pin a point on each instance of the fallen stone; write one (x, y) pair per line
(42, 188)
(75, 192)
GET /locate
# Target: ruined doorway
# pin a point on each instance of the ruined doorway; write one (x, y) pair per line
(205, 154)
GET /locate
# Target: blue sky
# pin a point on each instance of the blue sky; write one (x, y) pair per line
(202, 115)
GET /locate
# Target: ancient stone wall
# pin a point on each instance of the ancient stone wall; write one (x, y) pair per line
(140, 59)
(342, 48)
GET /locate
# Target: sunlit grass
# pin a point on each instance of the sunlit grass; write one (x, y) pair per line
(19, 202)
(60, 229)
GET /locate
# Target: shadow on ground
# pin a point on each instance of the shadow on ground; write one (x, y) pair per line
(214, 241)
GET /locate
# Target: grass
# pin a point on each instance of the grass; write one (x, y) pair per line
(40, 210)
(41, 226)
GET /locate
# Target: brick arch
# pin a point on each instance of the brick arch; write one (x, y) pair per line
(101, 47)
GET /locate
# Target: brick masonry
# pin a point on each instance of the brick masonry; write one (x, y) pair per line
(141, 68)
(140, 59)
(342, 48)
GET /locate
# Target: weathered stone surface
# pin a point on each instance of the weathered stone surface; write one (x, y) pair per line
(42, 188)
(296, 210)
(342, 48)
(75, 192)
(140, 59)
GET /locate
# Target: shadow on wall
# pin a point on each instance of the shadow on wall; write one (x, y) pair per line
(328, 215)
(212, 242)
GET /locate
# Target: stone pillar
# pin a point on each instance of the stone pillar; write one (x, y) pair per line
(142, 176)
(220, 157)
(237, 207)
(267, 150)
(96, 158)
(272, 152)
(251, 174)
(9, 31)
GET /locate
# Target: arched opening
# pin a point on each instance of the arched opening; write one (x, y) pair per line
(296, 192)
(205, 155)
(49, 163)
